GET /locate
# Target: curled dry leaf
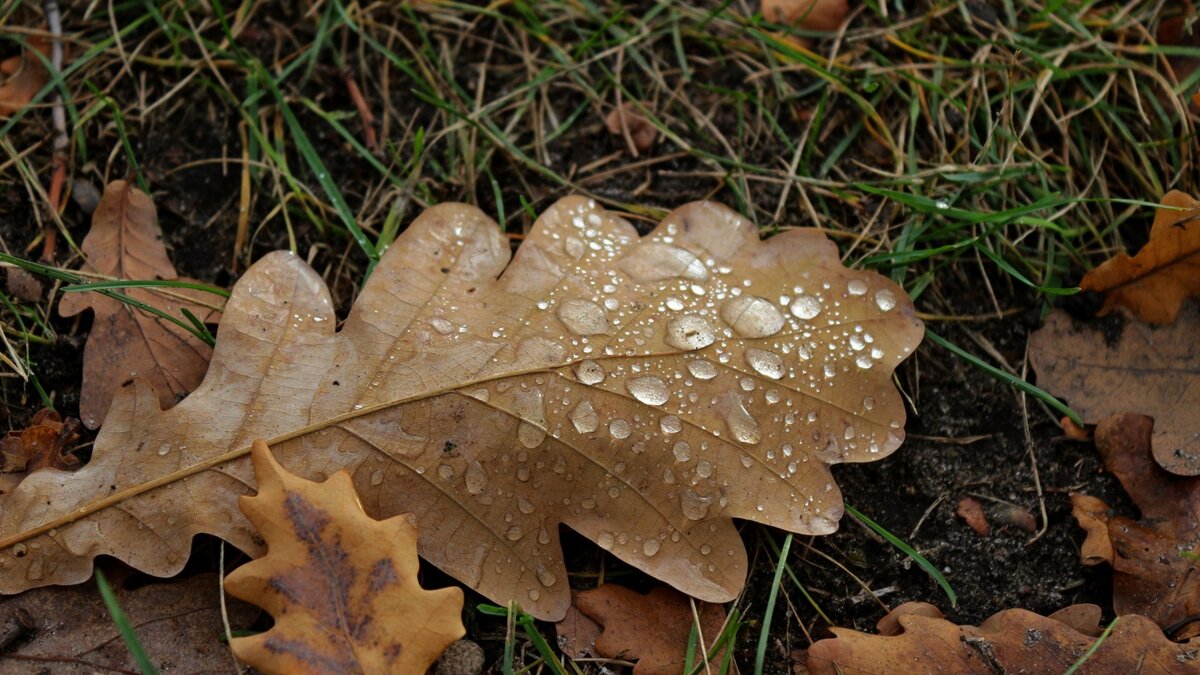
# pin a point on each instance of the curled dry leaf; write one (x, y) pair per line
(341, 585)
(815, 15)
(125, 242)
(971, 511)
(41, 445)
(1153, 283)
(651, 629)
(1155, 560)
(1115, 365)
(1010, 641)
(627, 122)
(23, 76)
(576, 633)
(644, 392)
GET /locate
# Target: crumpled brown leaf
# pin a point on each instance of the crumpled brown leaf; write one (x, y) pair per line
(642, 391)
(1156, 571)
(341, 585)
(70, 631)
(627, 122)
(814, 15)
(1111, 366)
(23, 76)
(42, 444)
(1153, 283)
(1010, 641)
(125, 242)
(652, 629)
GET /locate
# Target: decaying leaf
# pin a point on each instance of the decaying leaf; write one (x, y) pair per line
(1156, 571)
(1112, 366)
(40, 445)
(652, 629)
(815, 15)
(125, 242)
(69, 631)
(627, 122)
(1153, 283)
(643, 392)
(971, 511)
(576, 632)
(23, 76)
(341, 585)
(1010, 641)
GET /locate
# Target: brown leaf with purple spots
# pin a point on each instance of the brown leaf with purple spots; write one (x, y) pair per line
(341, 585)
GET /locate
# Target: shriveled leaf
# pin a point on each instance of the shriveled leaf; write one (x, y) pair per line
(652, 629)
(1156, 571)
(125, 242)
(68, 630)
(1112, 366)
(341, 585)
(625, 121)
(23, 76)
(643, 392)
(814, 15)
(1010, 641)
(40, 445)
(1153, 283)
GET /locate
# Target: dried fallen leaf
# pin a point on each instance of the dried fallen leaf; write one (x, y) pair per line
(341, 585)
(651, 629)
(70, 631)
(815, 15)
(40, 445)
(971, 511)
(1112, 366)
(1153, 283)
(626, 121)
(23, 76)
(1010, 641)
(1156, 568)
(643, 392)
(125, 242)
(576, 633)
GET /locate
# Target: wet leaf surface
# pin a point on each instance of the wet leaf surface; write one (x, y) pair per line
(23, 76)
(125, 242)
(644, 392)
(341, 585)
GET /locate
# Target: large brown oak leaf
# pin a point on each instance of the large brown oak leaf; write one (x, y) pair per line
(643, 392)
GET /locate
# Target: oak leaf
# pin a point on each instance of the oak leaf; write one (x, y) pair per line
(1155, 559)
(1117, 365)
(341, 585)
(1010, 641)
(40, 445)
(815, 15)
(642, 391)
(652, 629)
(23, 76)
(1153, 283)
(125, 242)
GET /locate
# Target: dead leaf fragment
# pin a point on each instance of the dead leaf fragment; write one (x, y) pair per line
(890, 623)
(125, 242)
(576, 632)
(1112, 366)
(23, 76)
(498, 400)
(69, 631)
(627, 122)
(1156, 571)
(815, 15)
(1153, 283)
(341, 585)
(40, 445)
(651, 629)
(971, 511)
(1010, 641)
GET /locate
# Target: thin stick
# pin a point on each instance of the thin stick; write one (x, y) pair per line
(61, 141)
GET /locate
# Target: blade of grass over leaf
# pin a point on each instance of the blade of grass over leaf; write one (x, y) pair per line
(760, 653)
(1092, 650)
(124, 627)
(909, 551)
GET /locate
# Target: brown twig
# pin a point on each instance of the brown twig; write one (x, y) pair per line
(364, 111)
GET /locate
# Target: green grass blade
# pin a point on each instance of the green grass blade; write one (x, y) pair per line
(760, 654)
(921, 561)
(124, 627)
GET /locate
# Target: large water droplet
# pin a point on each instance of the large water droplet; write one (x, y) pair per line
(475, 477)
(655, 261)
(670, 424)
(583, 317)
(765, 363)
(690, 332)
(682, 451)
(856, 287)
(442, 326)
(446, 472)
(605, 540)
(525, 506)
(648, 390)
(701, 369)
(546, 578)
(619, 429)
(885, 299)
(741, 423)
(693, 505)
(651, 546)
(513, 533)
(530, 435)
(806, 307)
(751, 316)
(584, 418)
(589, 372)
